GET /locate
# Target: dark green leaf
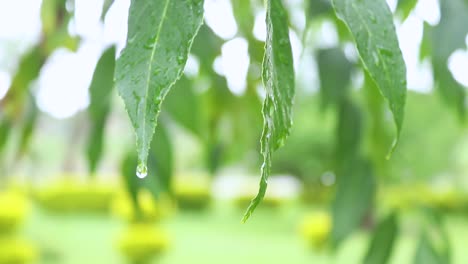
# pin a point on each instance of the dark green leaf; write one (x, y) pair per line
(404, 7)
(383, 241)
(349, 131)
(354, 197)
(371, 24)
(100, 92)
(160, 34)
(448, 36)
(317, 8)
(335, 75)
(278, 79)
(5, 129)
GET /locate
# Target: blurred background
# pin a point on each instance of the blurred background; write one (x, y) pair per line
(68, 190)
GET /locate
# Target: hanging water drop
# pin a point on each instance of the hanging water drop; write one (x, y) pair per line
(141, 171)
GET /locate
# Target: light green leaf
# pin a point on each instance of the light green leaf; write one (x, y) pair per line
(105, 7)
(404, 7)
(278, 79)
(383, 241)
(100, 92)
(371, 24)
(354, 197)
(426, 253)
(160, 34)
(333, 63)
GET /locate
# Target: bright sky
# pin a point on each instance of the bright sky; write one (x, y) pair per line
(62, 87)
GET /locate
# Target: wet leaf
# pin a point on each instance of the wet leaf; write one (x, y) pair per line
(160, 34)
(100, 92)
(371, 24)
(278, 79)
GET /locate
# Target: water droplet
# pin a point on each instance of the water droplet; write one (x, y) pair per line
(141, 171)
(180, 59)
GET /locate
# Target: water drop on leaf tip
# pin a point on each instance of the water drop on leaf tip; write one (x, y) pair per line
(141, 171)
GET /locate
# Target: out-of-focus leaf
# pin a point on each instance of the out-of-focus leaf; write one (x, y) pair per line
(5, 129)
(317, 8)
(354, 197)
(206, 46)
(448, 36)
(383, 241)
(349, 131)
(278, 78)
(100, 92)
(404, 7)
(183, 106)
(53, 14)
(160, 164)
(160, 34)
(426, 253)
(335, 75)
(371, 24)
(244, 15)
(425, 50)
(29, 124)
(28, 70)
(105, 7)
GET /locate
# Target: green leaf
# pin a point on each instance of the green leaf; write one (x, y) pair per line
(371, 24)
(404, 7)
(29, 125)
(426, 253)
(448, 36)
(278, 79)
(349, 132)
(5, 129)
(383, 241)
(354, 197)
(105, 7)
(183, 106)
(317, 8)
(333, 63)
(100, 92)
(160, 34)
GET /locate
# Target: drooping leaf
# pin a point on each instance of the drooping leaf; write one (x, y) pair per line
(426, 253)
(354, 197)
(244, 15)
(206, 46)
(349, 132)
(371, 24)
(28, 70)
(100, 92)
(28, 127)
(448, 36)
(105, 7)
(335, 75)
(160, 34)
(5, 129)
(404, 7)
(278, 79)
(182, 105)
(382, 241)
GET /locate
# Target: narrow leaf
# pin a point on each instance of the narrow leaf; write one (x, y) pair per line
(426, 253)
(28, 126)
(383, 241)
(354, 197)
(105, 8)
(371, 24)
(100, 92)
(278, 79)
(404, 7)
(160, 34)
(332, 63)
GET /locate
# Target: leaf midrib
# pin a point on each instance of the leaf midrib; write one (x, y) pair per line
(150, 66)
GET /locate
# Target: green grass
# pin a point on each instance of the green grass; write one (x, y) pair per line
(215, 236)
